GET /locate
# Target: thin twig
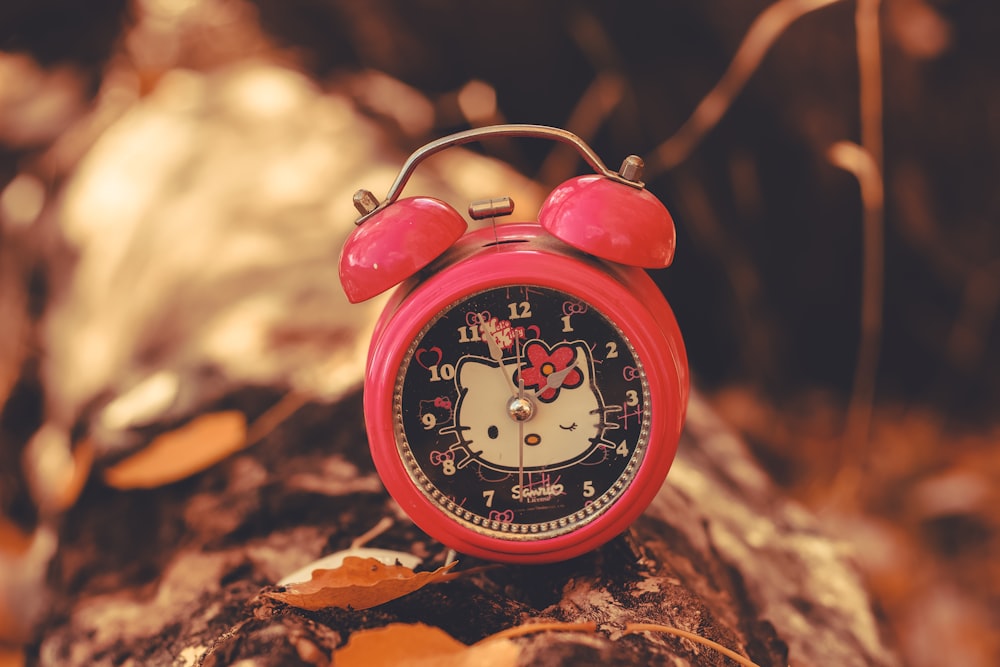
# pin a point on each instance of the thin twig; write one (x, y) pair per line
(542, 626)
(384, 524)
(600, 99)
(273, 417)
(761, 35)
(869, 48)
(630, 628)
(866, 163)
(656, 627)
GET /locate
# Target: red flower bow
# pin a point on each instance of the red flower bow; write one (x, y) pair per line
(543, 362)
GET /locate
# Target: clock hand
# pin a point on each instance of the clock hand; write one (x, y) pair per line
(556, 379)
(496, 353)
(520, 442)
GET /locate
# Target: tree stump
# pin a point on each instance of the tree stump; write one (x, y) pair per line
(174, 575)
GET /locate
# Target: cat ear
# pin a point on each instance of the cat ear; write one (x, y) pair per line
(472, 372)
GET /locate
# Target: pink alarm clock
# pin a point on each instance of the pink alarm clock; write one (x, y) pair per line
(527, 382)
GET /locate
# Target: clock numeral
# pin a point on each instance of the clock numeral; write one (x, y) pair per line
(488, 495)
(622, 449)
(469, 335)
(429, 420)
(588, 488)
(444, 459)
(569, 309)
(519, 311)
(612, 350)
(632, 397)
(442, 372)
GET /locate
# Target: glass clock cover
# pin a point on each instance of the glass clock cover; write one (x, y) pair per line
(521, 412)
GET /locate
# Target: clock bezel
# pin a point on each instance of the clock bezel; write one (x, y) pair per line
(519, 254)
(519, 531)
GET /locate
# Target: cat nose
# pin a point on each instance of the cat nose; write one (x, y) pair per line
(532, 439)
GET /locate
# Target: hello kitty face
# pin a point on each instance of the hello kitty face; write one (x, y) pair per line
(565, 427)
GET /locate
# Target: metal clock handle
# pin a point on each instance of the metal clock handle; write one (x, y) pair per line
(629, 174)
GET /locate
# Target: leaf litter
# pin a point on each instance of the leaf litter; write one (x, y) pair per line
(362, 577)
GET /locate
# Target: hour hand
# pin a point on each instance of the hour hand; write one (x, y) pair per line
(496, 353)
(555, 380)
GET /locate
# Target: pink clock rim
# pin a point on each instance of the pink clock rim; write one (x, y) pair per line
(664, 349)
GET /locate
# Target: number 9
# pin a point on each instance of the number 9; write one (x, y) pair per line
(429, 420)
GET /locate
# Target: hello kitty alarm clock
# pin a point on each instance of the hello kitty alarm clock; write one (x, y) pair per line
(527, 382)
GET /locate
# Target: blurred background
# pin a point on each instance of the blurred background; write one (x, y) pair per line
(767, 283)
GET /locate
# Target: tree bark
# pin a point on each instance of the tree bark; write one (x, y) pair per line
(174, 575)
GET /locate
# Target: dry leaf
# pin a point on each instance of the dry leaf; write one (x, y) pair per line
(14, 542)
(335, 560)
(172, 456)
(359, 583)
(11, 656)
(419, 644)
(11, 630)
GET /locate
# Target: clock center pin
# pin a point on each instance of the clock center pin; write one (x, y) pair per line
(520, 408)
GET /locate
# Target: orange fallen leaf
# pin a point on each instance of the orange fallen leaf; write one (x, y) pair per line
(421, 645)
(418, 644)
(11, 631)
(11, 656)
(14, 542)
(359, 583)
(335, 560)
(180, 453)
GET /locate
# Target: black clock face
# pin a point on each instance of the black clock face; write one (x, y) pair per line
(521, 412)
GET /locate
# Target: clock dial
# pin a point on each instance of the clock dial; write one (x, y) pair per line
(522, 412)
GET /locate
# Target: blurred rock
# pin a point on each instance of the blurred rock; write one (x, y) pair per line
(36, 104)
(208, 223)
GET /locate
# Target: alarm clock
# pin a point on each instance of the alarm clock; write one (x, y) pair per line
(526, 384)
